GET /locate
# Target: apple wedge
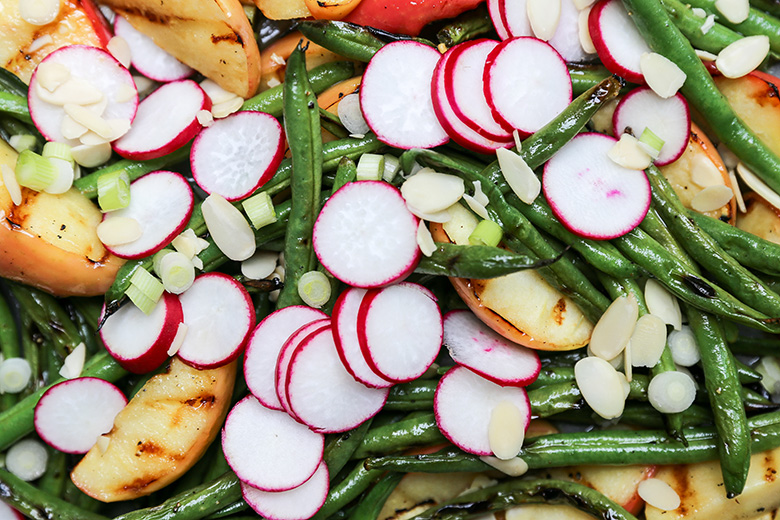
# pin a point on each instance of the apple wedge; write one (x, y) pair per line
(521, 306)
(761, 218)
(161, 433)
(50, 241)
(283, 9)
(219, 41)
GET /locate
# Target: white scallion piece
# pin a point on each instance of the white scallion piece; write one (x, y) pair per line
(757, 185)
(520, 177)
(647, 341)
(671, 392)
(351, 116)
(74, 362)
(430, 192)
(176, 272)
(614, 328)
(743, 56)
(663, 304)
(260, 265)
(228, 227)
(682, 344)
(392, 167)
(601, 386)
(514, 467)
(628, 153)
(65, 175)
(658, 494)
(425, 239)
(27, 459)
(260, 210)
(22, 142)
(370, 167)
(543, 15)
(34, 171)
(15, 375)
(712, 198)
(314, 289)
(506, 430)
(39, 12)
(663, 76)
(145, 290)
(735, 11)
(115, 231)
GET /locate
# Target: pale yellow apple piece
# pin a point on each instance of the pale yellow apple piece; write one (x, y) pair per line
(283, 9)
(164, 430)
(761, 219)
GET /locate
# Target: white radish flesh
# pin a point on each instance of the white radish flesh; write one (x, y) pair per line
(365, 236)
(71, 415)
(264, 345)
(219, 315)
(463, 404)
(316, 375)
(476, 346)
(617, 40)
(299, 503)
(268, 449)
(140, 342)
(495, 9)
(400, 331)
(395, 96)
(591, 195)
(150, 136)
(147, 57)
(238, 154)
(161, 202)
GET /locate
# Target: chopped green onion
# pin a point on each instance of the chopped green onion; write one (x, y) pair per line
(58, 151)
(144, 290)
(487, 233)
(314, 289)
(27, 459)
(15, 374)
(113, 190)
(250, 11)
(35, 172)
(177, 273)
(260, 210)
(392, 167)
(651, 143)
(370, 167)
(22, 142)
(157, 259)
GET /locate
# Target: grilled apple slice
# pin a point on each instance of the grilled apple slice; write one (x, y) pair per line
(213, 37)
(161, 433)
(761, 218)
(283, 9)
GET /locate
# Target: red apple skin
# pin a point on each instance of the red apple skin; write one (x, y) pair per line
(99, 22)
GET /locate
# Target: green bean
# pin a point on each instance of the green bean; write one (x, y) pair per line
(654, 226)
(549, 400)
(476, 261)
(10, 82)
(357, 481)
(412, 396)
(756, 23)
(15, 106)
(769, 6)
(417, 431)
(467, 26)
(747, 375)
(345, 39)
(340, 448)
(228, 511)
(371, 504)
(764, 346)
(713, 40)
(50, 318)
(9, 344)
(31, 340)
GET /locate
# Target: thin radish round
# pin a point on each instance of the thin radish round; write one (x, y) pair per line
(264, 345)
(527, 83)
(400, 331)
(151, 136)
(268, 449)
(668, 118)
(219, 314)
(299, 503)
(71, 415)
(9, 513)
(365, 236)
(316, 375)
(345, 332)
(140, 342)
(476, 346)
(592, 195)
(395, 96)
(93, 77)
(161, 202)
(463, 405)
(237, 154)
(496, 16)
(147, 57)
(617, 40)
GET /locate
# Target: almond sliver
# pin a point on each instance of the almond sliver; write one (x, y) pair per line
(743, 56)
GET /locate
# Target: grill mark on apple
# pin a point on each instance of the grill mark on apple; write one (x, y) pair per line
(766, 95)
(682, 484)
(559, 311)
(139, 484)
(160, 19)
(770, 473)
(231, 37)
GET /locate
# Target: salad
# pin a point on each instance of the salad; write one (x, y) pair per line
(373, 260)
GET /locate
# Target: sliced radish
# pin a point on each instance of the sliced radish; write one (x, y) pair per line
(496, 16)
(617, 40)
(9, 513)
(458, 130)
(395, 96)
(345, 332)
(463, 405)
(527, 83)
(592, 195)
(476, 346)
(237, 154)
(268, 449)
(400, 331)
(219, 314)
(667, 118)
(264, 345)
(147, 57)
(71, 415)
(161, 202)
(299, 503)
(94, 77)
(152, 136)
(365, 236)
(140, 342)
(316, 375)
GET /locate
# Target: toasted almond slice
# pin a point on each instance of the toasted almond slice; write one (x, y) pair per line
(520, 177)
(706, 55)
(228, 227)
(514, 467)
(73, 363)
(71, 129)
(178, 339)
(658, 494)
(226, 108)
(89, 119)
(90, 138)
(75, 90)
(120, 50)
(119, 127)
(90, 156)
(712, 198)
(506, 430)
(216, 93)
(584, 33)
(601, 386)
(475, 206)
(431, 192)
(735, 11)
(757, 185)
(115, 231)
(51, 75)
(742, 56)
(125, 93)
(11, 184)
(614, 328)
(663, 304)
(647, 341)
(737, 192)
(260, 265)
(662, 75)
(39, 12)
(628, 153)
(425, 239)
(704, 172)
(544, 16)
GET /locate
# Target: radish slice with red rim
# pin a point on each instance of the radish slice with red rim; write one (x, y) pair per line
(71, 415)
(9, 513)
(140, 342)
(298, 503)
(496, 16)
(161, 202)
(316, 375)
(667, 118)
(617, 40)
(147, 57)
(237, 154)
(400, 331)
(90, 69)
(396, 99)
(590, 194)
(268, 449)
(345, 332)
(151, 136)
(219, 314)
(546, 84)
(463, 404)
(365, 236)
(264, 345)
(476, 346)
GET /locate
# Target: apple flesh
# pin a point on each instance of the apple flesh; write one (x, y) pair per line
(761, 218)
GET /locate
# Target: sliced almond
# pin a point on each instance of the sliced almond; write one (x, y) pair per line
(260, 265)
(658, 494)
(513, 467)
(115, 231)
(425, 239)
(189, 244)
(601, 386)
(125, 93)
(663, 304)
(51, 75)
(647, 341)
(119, 127)
(11, 184)
(520, 177)
(479, 195)
(699, 12)
(102, 443)
(708, 24)
(583, 4)
(757, 185)
(543, 15)
(120, 50)
(205, 118)
(71, 129)
(735, 11)
(628, 153)
(39, 43)
(743, 56)
(73, 363)
(216, 93)
(705, 55)
(143, 84)
(86, 117)
(39, 12)
(661, 74)
(178, 339)
(91, 156)
(712, 198)
(614, 328)
(227, 226)
(506, 430)
(90, 138)
(223, 110)
(586, 42)
(704, 172)
(76, 91)
(737, 192)
(429, 191)
(440, 216)
(475, 206)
